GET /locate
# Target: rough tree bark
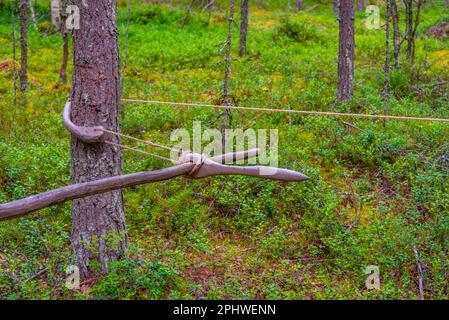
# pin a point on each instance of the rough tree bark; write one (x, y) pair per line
(99, 230)
(396, 34)
(23, 46)
(243, 26)
(346, 50)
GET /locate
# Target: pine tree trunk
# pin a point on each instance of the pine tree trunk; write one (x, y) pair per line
(386, 90)
(396, 34)
(23, 46)
(243, 27)
(99, 230)
(346, 50)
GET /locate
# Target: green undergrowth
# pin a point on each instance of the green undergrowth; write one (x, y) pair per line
(373, 195)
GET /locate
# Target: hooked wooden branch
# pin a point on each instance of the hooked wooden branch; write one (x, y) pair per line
(85, 134)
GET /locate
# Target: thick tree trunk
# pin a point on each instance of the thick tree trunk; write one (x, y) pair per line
(243, 27)
(99, 230)
(396, 34)
(346, 50)
(23, 46)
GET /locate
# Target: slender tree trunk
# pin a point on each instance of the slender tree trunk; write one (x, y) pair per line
(361, 5)
(186, 17)
(346, 50)
(99, 230)
(23, 46)
(13, 38)
(55, 10)
(409, 28)
(125, 50)
(419, 5)
(65, 57)
(299, 5)
(65, 38)
(396, 34)
(33, 14)
(227, 112)
(243, 27)
(336, 6)
(386, 92)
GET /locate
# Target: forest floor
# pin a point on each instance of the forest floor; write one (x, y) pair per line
(374, 193)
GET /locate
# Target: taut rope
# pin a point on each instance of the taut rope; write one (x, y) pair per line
(317, 113)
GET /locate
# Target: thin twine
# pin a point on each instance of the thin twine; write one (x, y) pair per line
(140, 151)
(318, 113)
(148, 143)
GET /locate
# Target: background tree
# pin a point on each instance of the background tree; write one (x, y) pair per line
(336, 6)
(226, 102)
(298, 5)
(13, 38)
(65, 37)
(386, 90)
(396, 34)
(243, 26)
(23, 46)
(361, 5)
(346, 50)
(99, 230)
(32, 14)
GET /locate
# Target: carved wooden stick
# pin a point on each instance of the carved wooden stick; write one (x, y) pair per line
(80, 190)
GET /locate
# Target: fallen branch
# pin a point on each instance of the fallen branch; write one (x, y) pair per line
(420, 278)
